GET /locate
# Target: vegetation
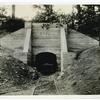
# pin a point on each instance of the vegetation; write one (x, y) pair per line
(3, 16)
(12, 25)
(48, 15)
(9, 24)
(87, 19)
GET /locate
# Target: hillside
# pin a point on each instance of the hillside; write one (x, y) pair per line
(14, 74)
(86, 72)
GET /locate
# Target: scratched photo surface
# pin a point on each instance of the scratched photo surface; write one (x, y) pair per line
(50, 49)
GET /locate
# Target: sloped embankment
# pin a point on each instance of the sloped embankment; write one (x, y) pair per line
(15, 42)
(14, 74)
(78, 42)
(85, 73)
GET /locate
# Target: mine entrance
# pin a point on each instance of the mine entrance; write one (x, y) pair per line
(46, 63)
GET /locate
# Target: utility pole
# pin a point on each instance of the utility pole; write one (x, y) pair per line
(73, 26)
(13, 11)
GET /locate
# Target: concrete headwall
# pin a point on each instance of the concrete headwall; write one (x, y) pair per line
(45, 40)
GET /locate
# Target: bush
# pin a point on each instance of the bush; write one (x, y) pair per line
(44, 18)
(12, 25)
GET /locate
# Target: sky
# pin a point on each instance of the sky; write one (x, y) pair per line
(27, 11)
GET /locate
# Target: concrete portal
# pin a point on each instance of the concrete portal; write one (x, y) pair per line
(50, 39)
(46, 40)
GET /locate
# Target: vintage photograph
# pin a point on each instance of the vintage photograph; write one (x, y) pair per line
(50, 49)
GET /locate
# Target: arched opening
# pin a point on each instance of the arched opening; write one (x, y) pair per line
(46, 63)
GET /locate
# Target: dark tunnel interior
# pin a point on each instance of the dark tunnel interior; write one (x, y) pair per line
(46, 63)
